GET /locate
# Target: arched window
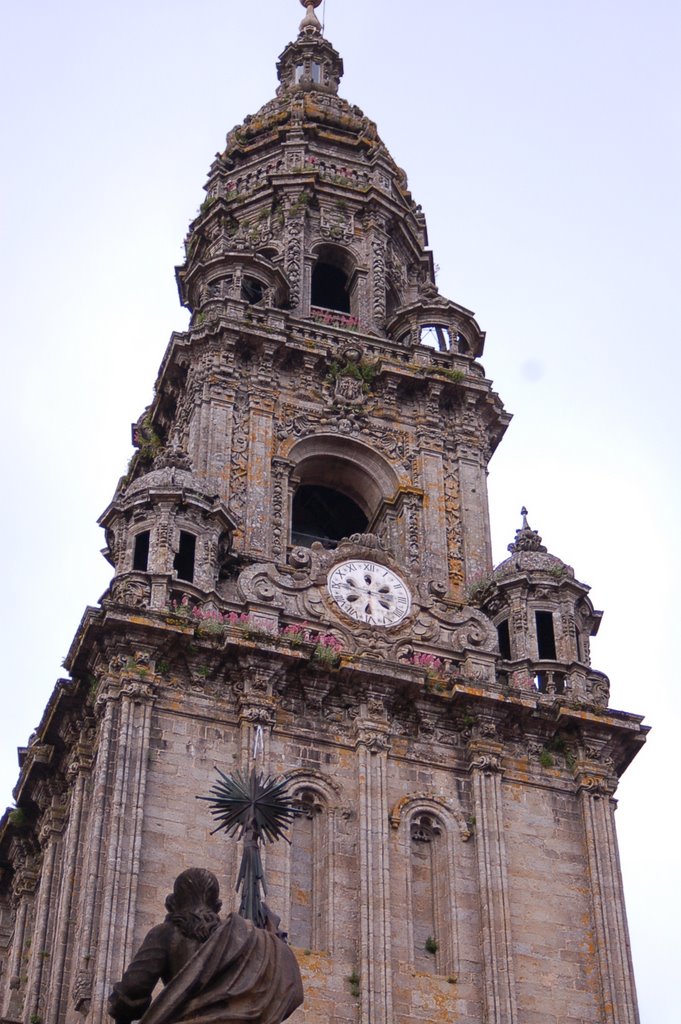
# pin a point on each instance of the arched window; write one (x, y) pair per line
(504, 635)
(435, 336)
(140, 557)
(333, 279)
(309, 872)
(425, 836)
(183, 563)
(252, 290)
(339, 487)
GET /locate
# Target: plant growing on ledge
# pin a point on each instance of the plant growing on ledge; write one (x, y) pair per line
(334, 318)
(358, 369)
(328, 650)
(354, 983)
(479, 589)
(432, 945)
(455, 376)
(146, 440)
(429, 662)
(296, 634)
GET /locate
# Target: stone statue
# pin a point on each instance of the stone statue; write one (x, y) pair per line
(214, 972)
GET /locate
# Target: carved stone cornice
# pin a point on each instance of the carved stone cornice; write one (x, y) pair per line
(80, 762)
(486, 753)
(139, 691)
(53, 823)
(596, 785)
(373, 735)
(26, 878)
(254, 710)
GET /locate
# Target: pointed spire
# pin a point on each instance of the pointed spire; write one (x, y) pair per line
(310, 22)
(526, 539)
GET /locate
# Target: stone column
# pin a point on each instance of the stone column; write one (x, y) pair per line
(499, 980)
(120, 853)
(375, 959)
(613, 951)
(56, 1001)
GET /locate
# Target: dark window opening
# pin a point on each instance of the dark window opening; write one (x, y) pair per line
(140, 558)
(504, 640)
(546, 641)
(581, 647)
(252, 290)
(436, 336)
(184, 559)
(330, 288)
(326, 515)
(550, 682)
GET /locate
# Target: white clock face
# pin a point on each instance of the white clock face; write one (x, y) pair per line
(370, 593)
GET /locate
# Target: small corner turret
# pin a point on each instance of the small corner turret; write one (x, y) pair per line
(544, 620)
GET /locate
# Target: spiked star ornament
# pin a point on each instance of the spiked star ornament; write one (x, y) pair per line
(257, 809)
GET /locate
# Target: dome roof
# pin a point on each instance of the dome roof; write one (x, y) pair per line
(528, 554)
(171, 469)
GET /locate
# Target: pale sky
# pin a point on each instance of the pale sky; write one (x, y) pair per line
(542, 139)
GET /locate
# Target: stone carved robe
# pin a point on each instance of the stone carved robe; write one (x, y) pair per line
(240, 973)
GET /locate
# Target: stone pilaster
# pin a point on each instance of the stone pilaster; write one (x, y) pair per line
(24, 888)
(57, 995)
(617, 986)
(372, 744)
(472, 454)
(107, 710)
(258, 502)
(51, 831)
(434, 554)
(497, 948)
(120, 850)
(212, 455)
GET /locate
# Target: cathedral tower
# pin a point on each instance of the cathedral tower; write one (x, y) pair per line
(303, 579)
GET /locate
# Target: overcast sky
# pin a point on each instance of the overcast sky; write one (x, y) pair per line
(542, 139)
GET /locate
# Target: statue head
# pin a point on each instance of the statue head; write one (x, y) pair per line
(194, 903)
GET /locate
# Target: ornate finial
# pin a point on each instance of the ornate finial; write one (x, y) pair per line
(310, 22)
(526, 539)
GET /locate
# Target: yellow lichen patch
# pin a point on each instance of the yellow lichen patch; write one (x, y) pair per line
(300, 896)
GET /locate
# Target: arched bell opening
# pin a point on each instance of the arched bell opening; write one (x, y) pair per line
(324, 514)
(333, 282)
(330, 288)
(338, 488)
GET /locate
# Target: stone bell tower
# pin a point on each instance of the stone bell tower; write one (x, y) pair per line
(303, 580)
